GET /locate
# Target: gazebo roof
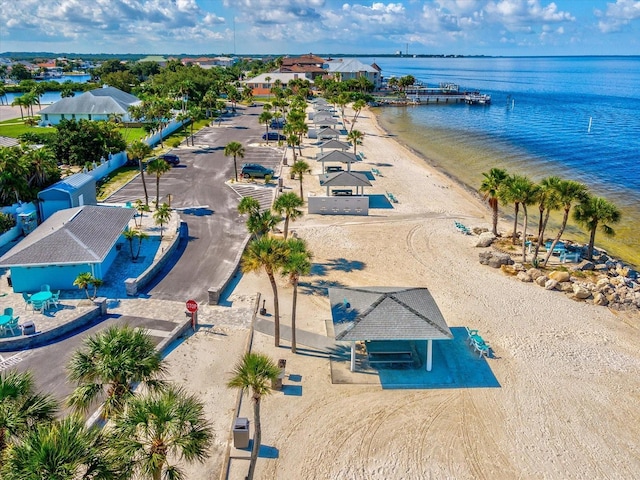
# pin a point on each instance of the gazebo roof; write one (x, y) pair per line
(386, 313)
(328, 132)
(344, 179)
(325, 120)
(337, 156)
(335, 144)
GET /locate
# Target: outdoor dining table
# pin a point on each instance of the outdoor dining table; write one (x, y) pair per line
(42, 297)
(4, 319)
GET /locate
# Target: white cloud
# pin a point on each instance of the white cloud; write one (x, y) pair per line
(618, 15)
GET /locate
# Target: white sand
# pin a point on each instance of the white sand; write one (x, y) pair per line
(567, 405)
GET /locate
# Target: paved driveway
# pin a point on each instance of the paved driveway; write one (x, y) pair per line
(207, 205)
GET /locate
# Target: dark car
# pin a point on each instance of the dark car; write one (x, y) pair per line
(170, 158)
(253, 170)
(277, 124)
(274, 136)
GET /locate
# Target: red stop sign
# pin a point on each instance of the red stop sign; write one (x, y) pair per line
(192, 306)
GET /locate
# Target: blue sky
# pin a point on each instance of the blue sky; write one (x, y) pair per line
(465, 27)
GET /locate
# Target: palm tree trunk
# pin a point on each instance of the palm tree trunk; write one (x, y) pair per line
(276, 309)
(494, 210)
(293, 316)
(524, 233)
(592, 240)
(286, 226)
(301, 195)
(157, 191)
(541, 234)
(257, 437)
(515, 223)
(565, 217)
(144, 186)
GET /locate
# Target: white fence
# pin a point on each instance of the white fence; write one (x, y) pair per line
(347, 205)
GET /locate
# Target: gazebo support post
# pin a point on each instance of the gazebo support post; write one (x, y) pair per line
(353, 356)
(429, 354)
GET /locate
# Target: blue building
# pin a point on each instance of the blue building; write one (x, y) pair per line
(68, 243)
(74, 191)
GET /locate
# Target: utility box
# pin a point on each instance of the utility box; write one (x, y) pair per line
(28, 328)
(241, 432)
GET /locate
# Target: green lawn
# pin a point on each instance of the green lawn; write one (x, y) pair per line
(114, 181)
(15, 127)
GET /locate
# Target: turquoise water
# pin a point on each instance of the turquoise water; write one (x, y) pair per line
(576, 117)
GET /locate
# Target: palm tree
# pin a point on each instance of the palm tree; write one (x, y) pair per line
(261, 223)
(62, 450)
(529, 194)
(130, 235)
(196, 114)
(490, 188)
(268, 254)
(266, 117)
(594, 213)
(292, 141)
(297, 263)
(19, 102)
(300, 168)
(288, 203)
(141, 208)
(248, 205)
(137, 151)
(356, 137)
(21, 408)
(110, 364)
(357, 106)
(567, 192)
(86, 280)
(548, 201)
(511, 191)
(254, 373)
(234, 149)
(162, 215)
(158, 167)
(158, 427)
(43, 167)
(14, 172)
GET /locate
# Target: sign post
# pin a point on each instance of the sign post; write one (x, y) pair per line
(192, 307)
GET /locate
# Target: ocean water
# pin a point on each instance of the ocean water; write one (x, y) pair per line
(575, 117)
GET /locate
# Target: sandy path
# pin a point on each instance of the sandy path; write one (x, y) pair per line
(568, 371)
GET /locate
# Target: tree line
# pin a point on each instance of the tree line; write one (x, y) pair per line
(550, 194)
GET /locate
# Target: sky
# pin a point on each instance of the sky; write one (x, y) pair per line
(260, 27)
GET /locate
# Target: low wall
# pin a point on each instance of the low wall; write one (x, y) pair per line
(105, 167)
(216, 290)
(347, 205)
(154, 138)
(133, 285)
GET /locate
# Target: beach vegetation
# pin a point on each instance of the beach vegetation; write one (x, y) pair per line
(515, 190)
(161, 216)
(267, 254)
(566, 192)
(490, 187)
(109, 365)
(85, 280)
(137, 151)
(547, 202)
(297, 263)
(300, 168)
(248, 206)
(261, 223)
(158, 167)
(157, 428)
(356, 136)
(596, 213)
(254, 374)
(21, 407)
(131, 235)
(357, 107)
(288, 204)
(235, 150)
(62, 450)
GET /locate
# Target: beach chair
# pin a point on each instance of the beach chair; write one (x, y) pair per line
(27, 300)
(39, 306)
(478, 343)
(462, 229)
(55, 297)
(570, 257)
(376, 172)
(392, 197)
(12, 326)
(45, 288)
(8, 312)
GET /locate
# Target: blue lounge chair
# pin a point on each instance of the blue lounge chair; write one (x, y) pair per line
(392, 197)
(27, 299)
(376, 172)
(461, 228)
(12, 325)
(478, 343)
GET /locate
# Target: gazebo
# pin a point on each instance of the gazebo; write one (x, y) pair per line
(328, 133)
(387, 314)
(345, 179)
(334, 145)
(337, 156)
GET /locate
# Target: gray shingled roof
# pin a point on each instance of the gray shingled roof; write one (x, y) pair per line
(337, 156)
(350, 65)
(386, 313)
(335, 144)
(344, 179)
(101, 101)
(75, 235)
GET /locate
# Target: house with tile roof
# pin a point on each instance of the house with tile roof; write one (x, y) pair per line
(70, 242)
(97, 104)
(263, 83)
(310, 65)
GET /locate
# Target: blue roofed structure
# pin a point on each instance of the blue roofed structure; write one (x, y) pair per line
(74, 191)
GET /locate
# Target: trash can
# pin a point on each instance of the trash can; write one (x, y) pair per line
(28, 328)
(241, 432)
(280, 182)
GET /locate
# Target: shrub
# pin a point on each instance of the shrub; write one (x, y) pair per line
(175, 143)
(7, 222)
(267, 179)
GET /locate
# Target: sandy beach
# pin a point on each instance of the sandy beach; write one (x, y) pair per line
(567, 372)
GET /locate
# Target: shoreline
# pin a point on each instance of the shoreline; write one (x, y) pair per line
(625, 245)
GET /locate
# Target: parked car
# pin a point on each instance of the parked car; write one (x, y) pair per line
(274, 136)
(170, 158)
(276, 124)
(254, 170)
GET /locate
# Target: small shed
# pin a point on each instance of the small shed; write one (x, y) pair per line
(74, 191)
(345, 179)
(69, 242)
(387, 313)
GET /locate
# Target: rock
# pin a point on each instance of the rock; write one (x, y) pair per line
(498, 259)
(580, 292)
(484, 257)
(524, 277)
(585, 265)
(601, 267)
(485, 239)
(535, 273)
(518, 267)
(602, 284)
(541, 280)
(560, 276)
(550, 284)
(600, 299)
(565, 286)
